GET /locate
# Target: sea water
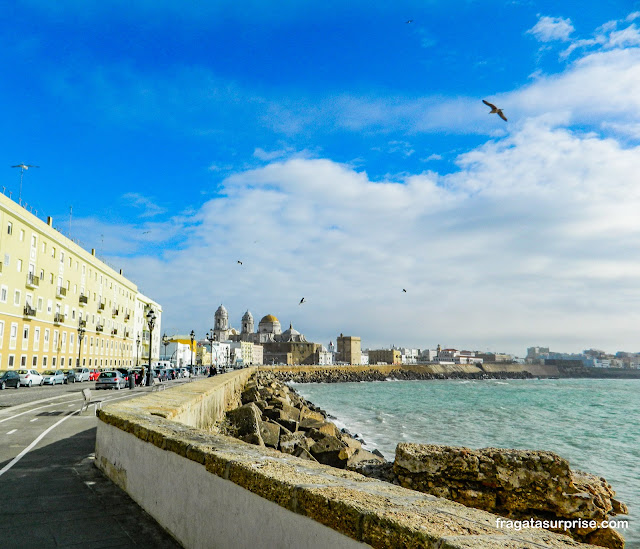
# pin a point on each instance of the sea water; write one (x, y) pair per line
(593, 423)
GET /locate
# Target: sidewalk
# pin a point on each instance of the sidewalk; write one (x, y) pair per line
(56, 498)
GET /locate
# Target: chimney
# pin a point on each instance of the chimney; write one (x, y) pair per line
(93, 252)
(49, 221)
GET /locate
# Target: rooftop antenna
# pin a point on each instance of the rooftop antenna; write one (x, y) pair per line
(23, 167)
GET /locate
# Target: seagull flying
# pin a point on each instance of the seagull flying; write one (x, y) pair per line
(495, 110)
(405, 291)
(409, 21)
(146, 232)
(25, 166)
(301, 301)
(240, 262)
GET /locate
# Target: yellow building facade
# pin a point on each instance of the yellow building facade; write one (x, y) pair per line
(50, 287)
(385, 356)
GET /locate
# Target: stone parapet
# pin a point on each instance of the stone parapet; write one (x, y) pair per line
(209, 490)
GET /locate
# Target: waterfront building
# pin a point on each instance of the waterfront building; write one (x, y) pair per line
(323, 356)
(50, 287)
(257, 354)
(427, 355)
(349, 350)
(409, 356)
(385, 356)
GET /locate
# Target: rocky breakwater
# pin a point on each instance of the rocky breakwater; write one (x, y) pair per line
(517, 484)
(274, 415)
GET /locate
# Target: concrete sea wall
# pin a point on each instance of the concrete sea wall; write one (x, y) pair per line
(209, 490)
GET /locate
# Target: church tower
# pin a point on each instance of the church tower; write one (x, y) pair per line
(221, 324)
(247, 323)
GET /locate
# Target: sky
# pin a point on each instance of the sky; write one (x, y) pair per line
(342, 152)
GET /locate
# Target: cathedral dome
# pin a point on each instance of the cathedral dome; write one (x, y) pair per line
(269, 318)
(247, 316)
(292, 335)
(269, 325)
(221, 311)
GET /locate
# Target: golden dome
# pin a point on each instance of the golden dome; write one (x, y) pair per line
(269, 318)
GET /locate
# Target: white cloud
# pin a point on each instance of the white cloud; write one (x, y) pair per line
(148, 207)
(549, 29)
(535, 238)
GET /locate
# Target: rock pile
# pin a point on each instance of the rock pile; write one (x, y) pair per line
(274, 415)
(341, 375)
(518, 484)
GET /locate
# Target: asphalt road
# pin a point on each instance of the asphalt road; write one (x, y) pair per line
(51, 494)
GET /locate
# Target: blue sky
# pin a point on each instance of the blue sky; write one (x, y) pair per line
(344, 154)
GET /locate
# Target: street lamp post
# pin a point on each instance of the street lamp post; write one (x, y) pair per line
(193, 336)
(165, 342)
(211, 338)
(137, 350)
(151, 320)
(81, 332)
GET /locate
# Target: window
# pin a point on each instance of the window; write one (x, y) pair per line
(25, 338)
(49, 306)
(23, 361)
(33, 241)
(6, 260)
(13, 335)
(3, 294)
(61, 257)
(47, 333)
(19, 265)
(53, 362)
(1, 332)
(9, 228)
(34, 362)
(44, 361)
(44, 247)
(12, 360)
(53, 251)
(62, 362)
(16, 297)
(21, 235)
(40, 304)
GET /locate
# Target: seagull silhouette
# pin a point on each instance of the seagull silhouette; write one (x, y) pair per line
(240, 262)
(301, 301)
(146, 232)
(495, 110)
(409, 21)
(25, 166)
(405, 291)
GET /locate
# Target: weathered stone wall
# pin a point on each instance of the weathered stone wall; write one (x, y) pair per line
(513, 483)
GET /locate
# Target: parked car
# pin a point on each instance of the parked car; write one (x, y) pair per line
(30, 377)
(94, 374)
(9, 378)
(53, 377)
(124, 372)
(184, 372)
(111, 379)
(82, 374)
(69, 376)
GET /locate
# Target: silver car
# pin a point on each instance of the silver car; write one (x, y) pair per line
(30, 377)
(82, 374)
(53, 377)
(111, 379)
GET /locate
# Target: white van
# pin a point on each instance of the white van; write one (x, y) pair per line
(161, 364)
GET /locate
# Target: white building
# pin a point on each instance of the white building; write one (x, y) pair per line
(141, 332)
(325, 357)
(409, 356)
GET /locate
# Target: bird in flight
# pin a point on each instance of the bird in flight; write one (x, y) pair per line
(405, 291)
(495, 110)
(25, 166)
(239, 262)
(301, 301)
(146, 232)
(409, 21)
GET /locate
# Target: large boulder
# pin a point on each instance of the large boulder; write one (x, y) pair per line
(330, 451)
(245, 420)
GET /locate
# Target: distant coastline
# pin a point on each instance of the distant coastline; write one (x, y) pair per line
(334, 374)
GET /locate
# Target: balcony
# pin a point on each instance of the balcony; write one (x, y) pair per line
(115, 313)
(61, 292)
(29, 311)
(82, 324)
(114, 332)
(100, 306)
(127, 334)
(33, 281)
(99, 328)
(58, 318)
(127, 316)
(83, 300)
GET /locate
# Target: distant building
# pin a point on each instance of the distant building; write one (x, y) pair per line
(323, 356)
(364, 358)
(385, 356)
(348, 349)
(427, 355)
(409, 356)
